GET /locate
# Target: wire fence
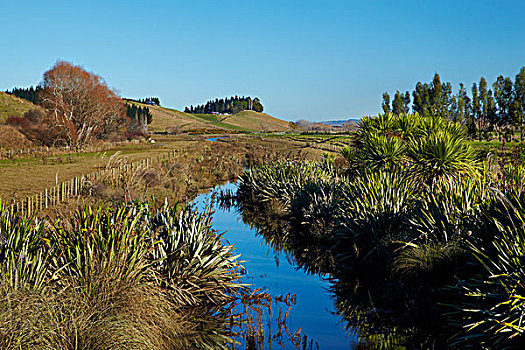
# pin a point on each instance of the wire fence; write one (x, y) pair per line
(44, 151)
(74, 187)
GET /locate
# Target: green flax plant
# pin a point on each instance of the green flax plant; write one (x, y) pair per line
(23, 259)
(192, 257)
(107, 292)
(24, 269)
(395, 224)
(373, 213)
(103, 239)
(442, 156)
(490, 305)
(282, 179)
(433, 149)
(379, 142)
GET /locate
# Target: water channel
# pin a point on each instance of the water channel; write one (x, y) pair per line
(309, 306)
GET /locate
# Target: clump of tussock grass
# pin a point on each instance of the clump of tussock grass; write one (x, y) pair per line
(115, 277)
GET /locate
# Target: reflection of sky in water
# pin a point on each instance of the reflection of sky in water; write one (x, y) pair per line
(314, 309)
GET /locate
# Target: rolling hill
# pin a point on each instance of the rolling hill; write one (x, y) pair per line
(13, 106)
(165, 119)
(256, 121)
(245, 121)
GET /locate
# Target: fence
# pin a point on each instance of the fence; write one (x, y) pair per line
(45, 151)
(74, 187)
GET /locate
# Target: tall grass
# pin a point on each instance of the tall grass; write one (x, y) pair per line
(115, 277)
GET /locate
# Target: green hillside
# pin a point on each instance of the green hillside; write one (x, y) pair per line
(13, 106)
(246, 121)
(256, 121)
(165, 119)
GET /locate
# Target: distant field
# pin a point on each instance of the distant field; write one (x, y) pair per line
(217, 121)
(13, 106)
(165, 119)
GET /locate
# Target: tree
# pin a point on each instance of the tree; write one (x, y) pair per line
(492, 111)
(257, 105)
(484, 102)
(304, 125)
(476, 107)
(503, 95)
(406, 102)
(436, 100)
(30, 94)
(397, 104)
(421, 99)
(81, 104)
(519, 97)
(386, 103)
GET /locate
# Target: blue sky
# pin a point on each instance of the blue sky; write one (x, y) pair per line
(315, 60)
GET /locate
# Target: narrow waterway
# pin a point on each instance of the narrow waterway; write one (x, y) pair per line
(309, 307)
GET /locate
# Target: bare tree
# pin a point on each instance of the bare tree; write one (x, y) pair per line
(349, 125)
(304, 124)
(81, 104)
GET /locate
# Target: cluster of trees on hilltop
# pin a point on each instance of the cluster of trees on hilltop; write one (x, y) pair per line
(154, 101)
(230, 105)
(30, 94)
(496, 107)
(141, 115)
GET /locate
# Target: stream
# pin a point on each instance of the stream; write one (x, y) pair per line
(301, 314)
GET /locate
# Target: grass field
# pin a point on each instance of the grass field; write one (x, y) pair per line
(218, 122)
(166, 118)
(22, 177)
(27, 176)
(256, 121)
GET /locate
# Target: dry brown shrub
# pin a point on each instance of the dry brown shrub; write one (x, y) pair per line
(11, 138)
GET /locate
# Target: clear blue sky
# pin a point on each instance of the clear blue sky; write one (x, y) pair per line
(315, 60)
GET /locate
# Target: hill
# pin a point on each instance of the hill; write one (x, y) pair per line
(11, 105)
(256, 121)
(167, 118)
(246, 121)
(339, 122)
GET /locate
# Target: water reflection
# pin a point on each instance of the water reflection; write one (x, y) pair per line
(368, 302)
(286, 307)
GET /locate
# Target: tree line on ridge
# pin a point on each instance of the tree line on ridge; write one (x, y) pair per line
(230, 105)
